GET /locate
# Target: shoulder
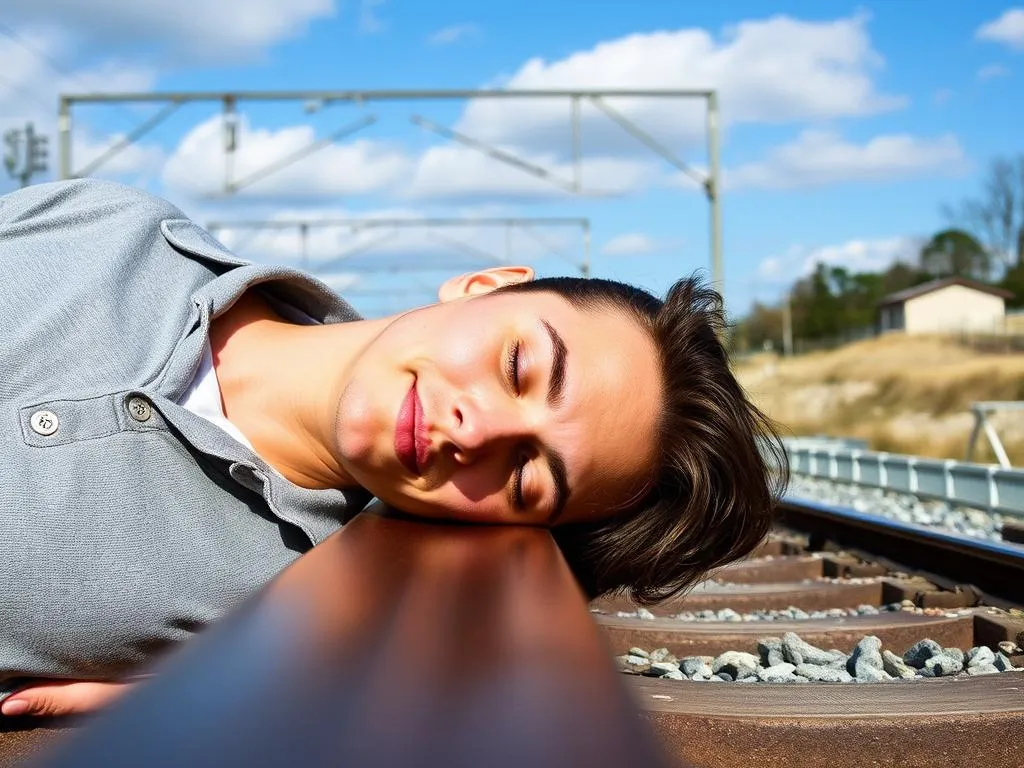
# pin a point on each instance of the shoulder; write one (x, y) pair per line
(79, 203)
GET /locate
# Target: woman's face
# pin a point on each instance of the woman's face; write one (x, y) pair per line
(508, 408)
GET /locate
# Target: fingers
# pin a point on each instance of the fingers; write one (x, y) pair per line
(59, 698)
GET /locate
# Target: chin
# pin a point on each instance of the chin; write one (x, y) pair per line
(356, 432)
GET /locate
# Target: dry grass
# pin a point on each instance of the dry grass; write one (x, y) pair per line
(902, 394)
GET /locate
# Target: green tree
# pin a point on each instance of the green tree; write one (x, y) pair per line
(901, 276)
(1013, 281)
(955, 253)
(764, 323)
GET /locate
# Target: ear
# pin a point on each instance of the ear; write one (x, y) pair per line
(484, 281)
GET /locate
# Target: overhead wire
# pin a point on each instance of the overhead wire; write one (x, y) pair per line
(16, 37)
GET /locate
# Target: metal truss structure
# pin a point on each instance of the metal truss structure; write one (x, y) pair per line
(318, 99)
(391, 226)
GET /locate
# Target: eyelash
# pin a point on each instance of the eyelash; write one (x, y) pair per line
(512, 366)
(512, 371)
(517, 483)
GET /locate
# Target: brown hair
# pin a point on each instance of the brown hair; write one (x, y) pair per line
(721, 466)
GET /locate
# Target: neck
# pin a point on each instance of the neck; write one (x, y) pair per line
(280, 384)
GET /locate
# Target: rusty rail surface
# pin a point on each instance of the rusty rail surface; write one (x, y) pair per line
(961, 721)
(995, 568)
(393, 643)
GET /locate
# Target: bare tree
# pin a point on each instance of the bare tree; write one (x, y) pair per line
(996, 216)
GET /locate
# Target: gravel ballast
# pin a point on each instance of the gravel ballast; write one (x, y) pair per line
(902, 507)
(790, 659)
(786, 614)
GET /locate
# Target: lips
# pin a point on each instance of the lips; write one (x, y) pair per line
(405, 431)
(422, 442)
(411, 444)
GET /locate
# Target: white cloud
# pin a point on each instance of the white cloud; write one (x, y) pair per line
(453, 171)
(30, 85)
(333, 248)
(134, 164)
(1007, 29)
(630, 244)
(226, 29)
(369, 21)
(769, 71)
(857, 255)
(991, 71)
(864, 255)
(197, 166)
(284, 244)
(770, 268)
(817, 158)
(442, 172)
(453, 34)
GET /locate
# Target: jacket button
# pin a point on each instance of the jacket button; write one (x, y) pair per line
(44, 422)
(139, 409)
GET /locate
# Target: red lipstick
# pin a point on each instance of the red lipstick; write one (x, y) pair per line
(421, 442)
(406, 447)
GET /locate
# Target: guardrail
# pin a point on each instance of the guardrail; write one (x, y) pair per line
(392, 643)
(982, 486)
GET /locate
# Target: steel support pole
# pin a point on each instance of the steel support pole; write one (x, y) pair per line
(230, 128)
(304, 235)
(586, 250)
(713, 190)
(787, 326)
(64, 133)
(577, 149)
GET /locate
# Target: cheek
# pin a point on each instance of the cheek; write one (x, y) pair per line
(482, 483)
(475, 494)
(463, 349)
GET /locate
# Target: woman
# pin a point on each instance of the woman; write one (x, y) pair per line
(180, 425)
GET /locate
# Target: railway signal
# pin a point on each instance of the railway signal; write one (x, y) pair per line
(27, 154)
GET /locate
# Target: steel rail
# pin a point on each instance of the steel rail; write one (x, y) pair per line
(392, 643)
(997, 569)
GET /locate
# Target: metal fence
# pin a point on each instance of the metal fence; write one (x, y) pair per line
(982, 486)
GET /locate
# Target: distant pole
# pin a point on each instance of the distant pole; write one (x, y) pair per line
(304, 234)
(64, 137)
(713, 188)
(26, 154)
(585, 269)
(787, 327)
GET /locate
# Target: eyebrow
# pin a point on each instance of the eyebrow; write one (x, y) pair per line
(556, 384)
(556, 395)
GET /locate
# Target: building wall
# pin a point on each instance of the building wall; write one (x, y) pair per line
(954, 308)
(891, 318)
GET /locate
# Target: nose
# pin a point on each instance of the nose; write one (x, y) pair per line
(476, 428)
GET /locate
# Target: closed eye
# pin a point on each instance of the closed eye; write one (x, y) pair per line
(517, 483)
(512, 366)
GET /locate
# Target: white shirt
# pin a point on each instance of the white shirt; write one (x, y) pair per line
(203, 397)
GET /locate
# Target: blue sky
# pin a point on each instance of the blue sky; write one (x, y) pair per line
(846, 126)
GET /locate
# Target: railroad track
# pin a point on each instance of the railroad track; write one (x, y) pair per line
(848, 576)
(396, 643)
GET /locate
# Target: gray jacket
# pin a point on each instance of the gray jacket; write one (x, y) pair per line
(126, 522)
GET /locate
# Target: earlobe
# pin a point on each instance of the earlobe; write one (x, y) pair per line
(484, 281)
